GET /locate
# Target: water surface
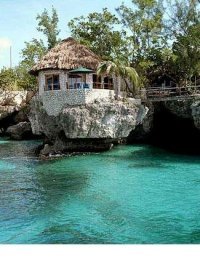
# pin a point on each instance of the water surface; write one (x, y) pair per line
(132, 194)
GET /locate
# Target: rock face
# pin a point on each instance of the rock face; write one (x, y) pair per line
(189, 109)
(186, 109)
(142, 130)
(94, 126)
(13, 108)
(195, 107)
(180, 108)
(13, 101)
(173, 125)
(20, 131)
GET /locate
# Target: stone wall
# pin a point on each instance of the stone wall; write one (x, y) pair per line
(55, 101)
(98, 94)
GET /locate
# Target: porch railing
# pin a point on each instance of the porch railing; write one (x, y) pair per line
(100, 85)
(79, 85)
(161, 93)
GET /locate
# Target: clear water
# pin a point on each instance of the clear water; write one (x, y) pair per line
(132, 194)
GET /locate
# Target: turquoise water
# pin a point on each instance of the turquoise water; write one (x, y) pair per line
(132, 194)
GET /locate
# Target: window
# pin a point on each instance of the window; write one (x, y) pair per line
(52, 82)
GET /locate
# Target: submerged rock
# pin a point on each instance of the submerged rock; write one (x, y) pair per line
(90, 127)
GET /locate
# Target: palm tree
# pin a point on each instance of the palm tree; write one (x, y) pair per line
(119, 71)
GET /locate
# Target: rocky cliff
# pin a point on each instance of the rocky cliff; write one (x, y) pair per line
(89, 127)
(174, 125)
(186, 109)
(13, 108)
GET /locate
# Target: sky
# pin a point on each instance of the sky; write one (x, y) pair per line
(18, 21)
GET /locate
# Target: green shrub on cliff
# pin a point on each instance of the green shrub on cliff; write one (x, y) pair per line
(8, 79)
(16, 79)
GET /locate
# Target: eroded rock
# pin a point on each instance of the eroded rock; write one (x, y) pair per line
(20, 131)
(89, 127)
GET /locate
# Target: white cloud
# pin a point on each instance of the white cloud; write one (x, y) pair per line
(4, 43)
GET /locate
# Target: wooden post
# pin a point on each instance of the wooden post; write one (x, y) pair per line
(102, 82)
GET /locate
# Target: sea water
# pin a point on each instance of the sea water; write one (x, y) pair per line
(131, 194)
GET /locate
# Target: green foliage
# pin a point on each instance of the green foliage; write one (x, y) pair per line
(8, 79)
(16, 79)
(48, 25)
(182, 15)
(19, 77)
(165, 39)
(187, 51)
(35, 49)
(119, 69)
(144, 23)
(98, 32)
(25, 81)
(156, 38)
(33, 52)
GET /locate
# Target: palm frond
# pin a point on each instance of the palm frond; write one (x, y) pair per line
(120, 70)
(132, 74)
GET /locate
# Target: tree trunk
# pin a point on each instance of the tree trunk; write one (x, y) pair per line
(117, 86)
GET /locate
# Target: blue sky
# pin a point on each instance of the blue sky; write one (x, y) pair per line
(18, 23)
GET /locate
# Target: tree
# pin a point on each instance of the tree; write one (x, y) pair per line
(48, 25)
(181, 15)
(144, 26)
(144, 23)
(187, 51)
(35, 49)
(8, 79)
(98, 32)
(33, 52)
(118, 70)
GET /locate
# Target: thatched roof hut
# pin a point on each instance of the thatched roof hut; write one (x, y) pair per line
(67, 55)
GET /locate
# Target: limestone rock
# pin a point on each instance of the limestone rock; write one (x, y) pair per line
(101, 120)
(181, 108)
(46, 150)
(195, 107)
(144, 127)
(13, 107)
(6, 111)
(20, 131)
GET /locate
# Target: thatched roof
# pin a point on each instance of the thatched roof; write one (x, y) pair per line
(67, 55)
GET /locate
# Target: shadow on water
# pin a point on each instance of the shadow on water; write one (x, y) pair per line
(55, 181)
(68, 234)
(148, 156)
